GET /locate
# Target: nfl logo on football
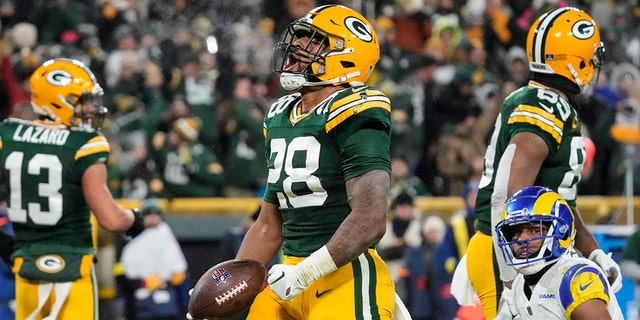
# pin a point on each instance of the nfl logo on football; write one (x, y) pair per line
(220, 275)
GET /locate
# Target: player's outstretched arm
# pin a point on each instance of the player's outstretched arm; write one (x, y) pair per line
(108, 212)
(264, 238)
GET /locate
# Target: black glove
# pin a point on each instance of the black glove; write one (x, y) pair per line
(138, 224)
(7, 243)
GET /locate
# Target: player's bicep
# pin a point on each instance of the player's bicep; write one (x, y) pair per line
(530, 153)
(366, 223)
(270, 218)
(264, 238)
(591, 309)
(369, 191)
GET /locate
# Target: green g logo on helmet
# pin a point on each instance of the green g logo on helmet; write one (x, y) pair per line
(583, 29)
(358, 28)
(59, 78)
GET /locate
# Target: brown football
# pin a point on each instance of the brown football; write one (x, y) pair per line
(227, 289)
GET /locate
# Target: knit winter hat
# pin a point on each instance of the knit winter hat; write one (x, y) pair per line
(187, 128)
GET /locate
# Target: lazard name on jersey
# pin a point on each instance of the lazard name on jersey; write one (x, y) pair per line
(40, 135)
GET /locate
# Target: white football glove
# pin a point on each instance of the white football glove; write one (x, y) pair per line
(609, 266)
(288, 281)
(189, 317)
(285, 281)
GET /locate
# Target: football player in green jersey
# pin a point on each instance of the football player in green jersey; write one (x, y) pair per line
(537, 141)
(328, 154)
(55, 173)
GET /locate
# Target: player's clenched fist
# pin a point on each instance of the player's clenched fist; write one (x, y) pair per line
(288, 281)
(285, 282)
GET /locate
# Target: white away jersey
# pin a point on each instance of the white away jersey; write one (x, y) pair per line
(566, 285)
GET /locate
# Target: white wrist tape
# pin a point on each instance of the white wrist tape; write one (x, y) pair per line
(315, 266)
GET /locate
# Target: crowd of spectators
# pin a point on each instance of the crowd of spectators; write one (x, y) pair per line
(188, 82)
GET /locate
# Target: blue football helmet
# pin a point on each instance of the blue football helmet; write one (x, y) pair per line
(547, 209)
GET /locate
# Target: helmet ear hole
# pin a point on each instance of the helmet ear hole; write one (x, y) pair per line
(347, 64)
(562, 231)
(72, 99)
(582, 64)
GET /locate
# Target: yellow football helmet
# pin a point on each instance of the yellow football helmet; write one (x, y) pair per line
(59, 85)
(353, 48)
(566, 42)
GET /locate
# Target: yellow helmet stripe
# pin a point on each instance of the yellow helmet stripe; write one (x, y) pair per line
(552, 201)
(95, 145)
(545, 202)
(539, 118)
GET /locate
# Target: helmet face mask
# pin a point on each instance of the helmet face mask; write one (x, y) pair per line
(566, 42)
(65, 90)
(335, 44)
(547, 220)
(89, 111)
(287, 53)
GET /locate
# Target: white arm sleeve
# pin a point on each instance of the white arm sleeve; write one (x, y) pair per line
(498, 199)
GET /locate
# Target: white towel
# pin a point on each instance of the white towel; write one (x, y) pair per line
(461, 288)
(400, 312)
(154, 251)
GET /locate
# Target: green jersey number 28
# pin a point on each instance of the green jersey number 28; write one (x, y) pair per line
(49, 190)
(284, 161)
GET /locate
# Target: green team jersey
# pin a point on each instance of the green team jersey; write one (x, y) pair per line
(311, 155)
(42, 166)
(541, 111)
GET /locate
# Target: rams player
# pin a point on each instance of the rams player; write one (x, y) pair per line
(537, 140)
(55, 173)
(536, 238)
(329, 170)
